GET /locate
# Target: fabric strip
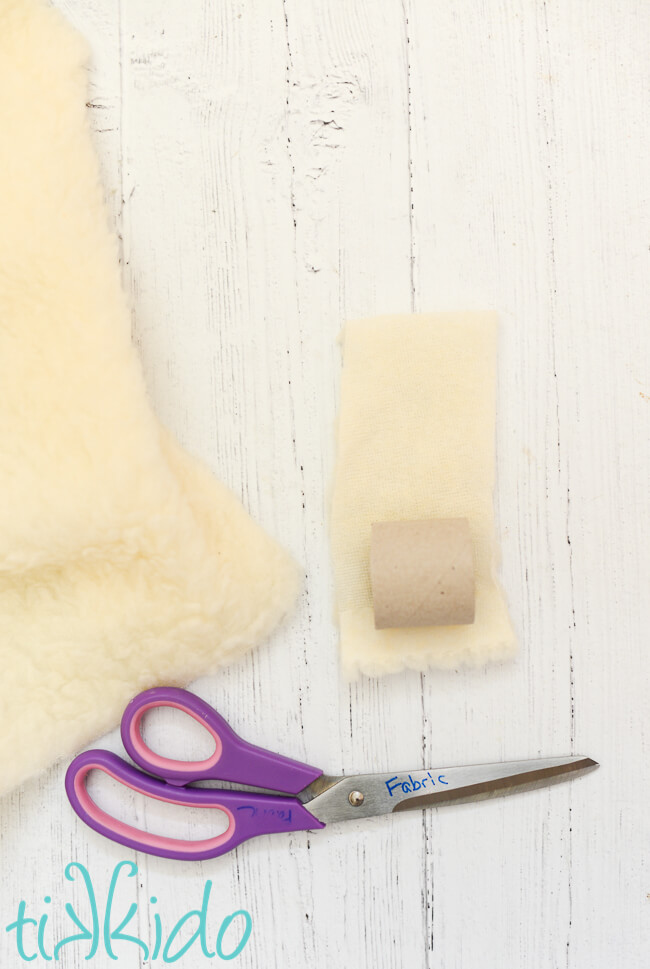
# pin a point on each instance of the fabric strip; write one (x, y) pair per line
(416, 441)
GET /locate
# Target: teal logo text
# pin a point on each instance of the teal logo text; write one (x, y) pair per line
(110, 927)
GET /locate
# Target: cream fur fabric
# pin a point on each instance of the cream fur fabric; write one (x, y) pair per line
(123, 562)
(416, 440)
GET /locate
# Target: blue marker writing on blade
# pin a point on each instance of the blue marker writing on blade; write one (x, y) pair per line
(410, 786)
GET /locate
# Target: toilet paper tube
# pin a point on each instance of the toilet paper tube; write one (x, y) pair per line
(422, 573)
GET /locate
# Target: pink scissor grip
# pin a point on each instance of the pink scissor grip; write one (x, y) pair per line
(166, 766)
(126, 833)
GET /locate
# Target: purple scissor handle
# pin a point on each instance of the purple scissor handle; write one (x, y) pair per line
(232, 760)
(249, 814)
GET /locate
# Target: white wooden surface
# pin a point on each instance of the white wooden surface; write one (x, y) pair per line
(273, 168)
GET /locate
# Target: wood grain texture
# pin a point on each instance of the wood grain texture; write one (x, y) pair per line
(274, 167)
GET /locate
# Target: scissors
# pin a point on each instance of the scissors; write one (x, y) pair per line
(304, 799)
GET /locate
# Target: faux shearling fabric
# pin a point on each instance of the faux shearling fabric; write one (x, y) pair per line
(416, 441)
(123, 563)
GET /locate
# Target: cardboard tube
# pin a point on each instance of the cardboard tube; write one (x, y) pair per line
(422, 573)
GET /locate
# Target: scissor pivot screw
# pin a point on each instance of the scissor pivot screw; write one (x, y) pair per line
(356, 798)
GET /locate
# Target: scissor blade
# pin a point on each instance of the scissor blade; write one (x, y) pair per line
(368, 795)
